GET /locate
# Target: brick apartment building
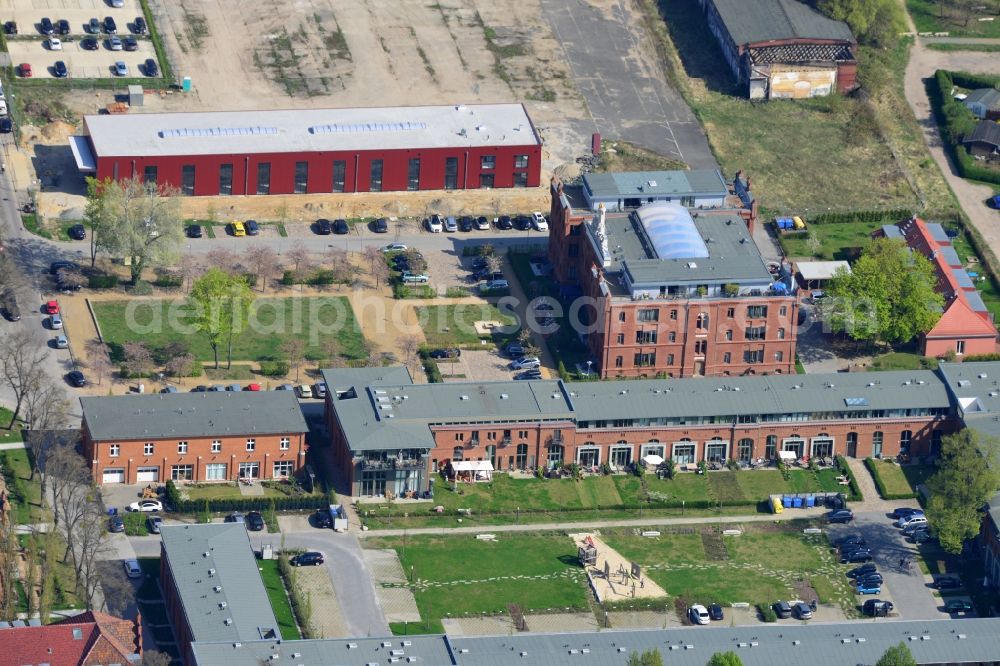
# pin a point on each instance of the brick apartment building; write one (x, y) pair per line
(391, 435)
(88, 639)
(966, 326)
(212, 436)
(675, 292)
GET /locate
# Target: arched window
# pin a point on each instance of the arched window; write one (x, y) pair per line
(744, 450)
(556, 455)
(877, 444)
(521, 459)
(701, 322)
(771, 447)
(904, 441)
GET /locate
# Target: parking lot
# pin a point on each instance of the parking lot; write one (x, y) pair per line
(31, 47)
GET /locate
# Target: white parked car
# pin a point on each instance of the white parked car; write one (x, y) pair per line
(132, 569)
(115, 43)
(538, 220)
(55, 44)
(146, 506)
(55, 321)
(698, 614)
(305, 391)
(525, 363)
(319, 390)
(435, 224)
(914, 519)
(394, 247)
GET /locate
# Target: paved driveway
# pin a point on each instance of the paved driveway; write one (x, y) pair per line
(906, 587)
(607, 49)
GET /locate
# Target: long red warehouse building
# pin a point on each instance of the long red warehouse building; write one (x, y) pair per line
(312, 151)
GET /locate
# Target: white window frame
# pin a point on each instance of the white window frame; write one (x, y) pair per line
(216, 446)
(251, 444)
(148, 448)
(822, 440)
(114, 450)
(285, 464)
(182, 448)
(694, 452)
(212, 469)
(717, 442)
(654, 449)
(175, 468)
(285, 443)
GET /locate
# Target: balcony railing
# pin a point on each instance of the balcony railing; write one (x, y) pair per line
(393, 463)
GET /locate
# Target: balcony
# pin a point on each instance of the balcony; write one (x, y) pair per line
(393, 463)
(505, 442)
(472, 443)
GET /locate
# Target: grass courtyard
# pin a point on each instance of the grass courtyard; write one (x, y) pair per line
(450, 325)
(507, 500)
(898, 480)
(271, 322)
(280, 604)
(460, 575)
(26, 495)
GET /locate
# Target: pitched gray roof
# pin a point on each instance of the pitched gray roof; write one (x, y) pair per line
(213, 564)
(754, 21)
(427, 650)
(931, 642)
(760, 394)
(987, 131)
(667, 183)
(172, 415)
(988, 97)
(380, 408)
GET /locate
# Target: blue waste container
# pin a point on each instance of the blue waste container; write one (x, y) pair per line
(796, 502)
(810, 501)
(786, 501)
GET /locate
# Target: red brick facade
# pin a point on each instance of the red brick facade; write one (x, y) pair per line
(195, 459)
(682, 337)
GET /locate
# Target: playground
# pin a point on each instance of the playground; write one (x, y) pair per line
(612, 577)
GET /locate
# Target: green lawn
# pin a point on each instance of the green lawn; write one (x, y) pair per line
(271, 322)
(837, 241)
(757, 567)
(26, 495)
(979, 48)
(13, 435)
(949, 16)
(460, 575)
(280, 604)
(214, 491)
(901, 360)
(449, 325)
(902, 479)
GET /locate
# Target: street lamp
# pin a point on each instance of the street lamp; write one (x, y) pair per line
(589, 363)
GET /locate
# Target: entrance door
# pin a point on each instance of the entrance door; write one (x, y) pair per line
(113, 476)
(621, 456)
(852, 445)
(250, 470)
(699, 368)
(588, 457)
(796, 445)
(147, 474)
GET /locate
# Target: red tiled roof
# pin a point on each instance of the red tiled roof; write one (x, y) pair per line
(960, 320)
(99, 639)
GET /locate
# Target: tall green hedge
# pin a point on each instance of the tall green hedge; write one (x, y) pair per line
(855, 494)
(301, 502)
(862, 216)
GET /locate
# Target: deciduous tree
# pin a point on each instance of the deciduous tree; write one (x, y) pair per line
(220, 307)
(262, 261)
(144, 224)
(98, 359)
(889, 295)
(966, 479)
(416, 260)
(897, 655)
(138, 359)
(21, 368)
(301, 260)
(646, 658)
(725, 659)
(294, 349)
(95, 214)
(876, 22)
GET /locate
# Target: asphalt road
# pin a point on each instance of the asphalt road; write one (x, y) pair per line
(626, 94)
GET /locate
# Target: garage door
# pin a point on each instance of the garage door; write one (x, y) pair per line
(113, 476)
(145, 474)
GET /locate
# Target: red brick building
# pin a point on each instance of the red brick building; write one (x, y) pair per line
(212, 436)
(310, 151)
(783, 48)
(88, 639)
(671, 291)
(966, 325)
(390, 435)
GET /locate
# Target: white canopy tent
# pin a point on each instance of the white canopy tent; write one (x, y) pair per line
(787, 456)
(473, 470)
(653, 460)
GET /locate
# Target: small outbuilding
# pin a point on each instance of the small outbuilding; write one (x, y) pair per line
(816, 274)
(984, 103)
(699, 188)
(984, 141)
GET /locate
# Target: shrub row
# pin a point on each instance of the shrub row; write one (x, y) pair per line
(862, 216)
(321, 277)
(872, 466)
(308, 502)
(432, 369)
(953, 118)
(973, 358)
(845, 469)
(168, 281)
(99, 281)
(274, 368)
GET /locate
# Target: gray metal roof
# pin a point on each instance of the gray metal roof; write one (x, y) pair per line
(937, 232)
(699, 182)
(755, 21)
(987, 132)
(760, 394)
(733, 255)
(950, 256)
(310, 130)
(173, 415)
(426, 650)
(974, 386)
(988, 97)
(891, 231)
(213, 566)
(967, 641)
(976, 301)
(380, 408)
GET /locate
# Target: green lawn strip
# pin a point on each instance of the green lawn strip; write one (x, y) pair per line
(213, 491)
(938, 16)
(26, 495)
(777, 550)
(414, 628)
(948, 46)
(272, 322)
(449, 325)
(917, 474)
(13, 435)
(536, 572)
(280, 604)
(837, 241)
(902, 360)
(135, 524)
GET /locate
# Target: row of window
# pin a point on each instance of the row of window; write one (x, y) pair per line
(491, 436)
(702, 320)
(114, 450)
(648, 359)
(486, 180)
(220, 471)
(651, 337)
(729, 419)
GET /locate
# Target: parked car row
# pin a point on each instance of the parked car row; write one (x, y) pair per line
(94, 26)
(913, 524)
(699, 614)
(317, 390)
(324, 227)
(799, 609)
(235, 228)
(450, 224)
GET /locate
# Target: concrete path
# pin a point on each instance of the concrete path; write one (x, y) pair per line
(397, 599)
(327, 615)
(13, 445)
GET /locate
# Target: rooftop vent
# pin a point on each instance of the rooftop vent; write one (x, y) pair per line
(386, 644)
(651, 183)
(406, 643)
(352, 646)
(692, 265)
(504, 396)
(222, 604)
(396, 653)
(205, 554)
(228, 621)
(237, 645)
(217, 588)
(982, 375)
(211, 572)
(366, 128)
(464, 397)
(964, 382)
(217, 131)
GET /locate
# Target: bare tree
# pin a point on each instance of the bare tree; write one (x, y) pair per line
(154, 658)
(301, 260)
(117, 589)
(294, 349)
(373, 255)
(138, 359)
(262, 261)
(62, 469)
(409, 344)
(180, 365)
(91, 548)
(21, 363)
(222, 258)
(340, 265)
(190, 268)
(331, 352)
(71, 279)
(416, 261)
(46, 406)
(9, 547)
(71, 487)
(98, 360)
